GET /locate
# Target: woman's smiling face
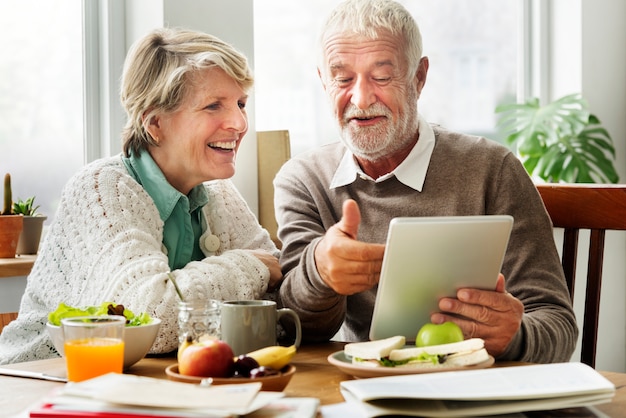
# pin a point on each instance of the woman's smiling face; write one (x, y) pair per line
(198, 141)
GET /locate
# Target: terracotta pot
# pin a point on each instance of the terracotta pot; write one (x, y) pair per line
(10, 229)
(31, 235)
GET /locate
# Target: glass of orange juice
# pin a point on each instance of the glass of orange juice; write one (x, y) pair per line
(94, 345)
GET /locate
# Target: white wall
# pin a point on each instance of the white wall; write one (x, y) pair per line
(604, 86)
(11, 293)
(587, 56)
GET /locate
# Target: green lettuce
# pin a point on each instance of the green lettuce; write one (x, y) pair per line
(106, 308)
(423, 357)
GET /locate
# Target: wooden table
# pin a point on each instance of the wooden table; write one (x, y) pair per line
(314, 377)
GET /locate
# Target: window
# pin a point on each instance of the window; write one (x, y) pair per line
(41, 126)
(472, 48)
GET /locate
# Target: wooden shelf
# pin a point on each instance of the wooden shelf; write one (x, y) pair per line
(18, 266)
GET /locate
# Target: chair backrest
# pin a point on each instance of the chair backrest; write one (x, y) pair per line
(273, 150)
(5, 318)
(598, 208)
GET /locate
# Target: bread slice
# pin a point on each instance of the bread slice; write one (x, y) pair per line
(450, 362)
(465, 346)
(374, 350)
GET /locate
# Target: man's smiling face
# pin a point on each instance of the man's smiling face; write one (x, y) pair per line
(373, 100)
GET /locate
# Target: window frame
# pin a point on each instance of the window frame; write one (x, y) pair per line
(534, 50)
(104, 46)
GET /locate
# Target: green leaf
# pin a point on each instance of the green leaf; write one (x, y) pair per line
(66, 311)
(25, 207)
(560, 141)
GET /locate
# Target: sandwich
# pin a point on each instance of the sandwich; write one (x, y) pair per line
(388, 353)
(372, 352)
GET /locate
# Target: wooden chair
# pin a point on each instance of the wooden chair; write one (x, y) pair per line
(273, 150)
(597, 207)
(5, 318)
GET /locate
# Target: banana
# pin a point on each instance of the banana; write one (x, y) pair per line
(188, 341)
(274, 356)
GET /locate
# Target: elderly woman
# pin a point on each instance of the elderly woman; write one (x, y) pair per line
(127, 222)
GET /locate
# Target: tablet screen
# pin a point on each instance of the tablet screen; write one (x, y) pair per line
(427, 258)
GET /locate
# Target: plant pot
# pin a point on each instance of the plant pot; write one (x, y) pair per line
(31, 235)
(10, 229)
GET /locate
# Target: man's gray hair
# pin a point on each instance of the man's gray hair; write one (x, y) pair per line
(368, 18)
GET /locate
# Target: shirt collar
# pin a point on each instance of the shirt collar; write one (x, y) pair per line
(147, 173)
(411, 172)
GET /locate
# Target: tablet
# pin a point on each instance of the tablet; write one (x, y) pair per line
(427, 258)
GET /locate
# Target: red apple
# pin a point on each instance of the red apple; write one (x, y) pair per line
(213, 358)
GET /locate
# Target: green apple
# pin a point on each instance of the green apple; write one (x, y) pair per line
(436, 334)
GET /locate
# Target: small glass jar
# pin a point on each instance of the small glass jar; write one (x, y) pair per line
(199, 320)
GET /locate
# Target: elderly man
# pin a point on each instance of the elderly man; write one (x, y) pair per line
(334, 204)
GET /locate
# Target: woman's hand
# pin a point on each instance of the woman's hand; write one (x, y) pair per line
(271, 262)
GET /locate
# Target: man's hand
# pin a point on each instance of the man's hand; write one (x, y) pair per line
(494, 316)
(345, 264)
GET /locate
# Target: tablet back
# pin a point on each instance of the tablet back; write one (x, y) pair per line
(427, 258)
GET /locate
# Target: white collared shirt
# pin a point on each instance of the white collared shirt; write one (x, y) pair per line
(411, 172)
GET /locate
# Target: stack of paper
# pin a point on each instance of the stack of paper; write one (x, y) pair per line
(480, 392)
(121, 395)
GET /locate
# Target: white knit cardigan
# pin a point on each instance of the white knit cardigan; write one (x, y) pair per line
(105, 244)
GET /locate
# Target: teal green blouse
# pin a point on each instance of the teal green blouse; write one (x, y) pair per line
(182, 215)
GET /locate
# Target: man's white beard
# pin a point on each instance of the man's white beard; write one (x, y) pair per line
(375, 142)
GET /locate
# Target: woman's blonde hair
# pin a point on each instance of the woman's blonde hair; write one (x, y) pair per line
(368, 18)
(158, 74)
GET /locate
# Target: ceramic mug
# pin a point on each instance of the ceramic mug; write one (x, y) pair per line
(248, 325)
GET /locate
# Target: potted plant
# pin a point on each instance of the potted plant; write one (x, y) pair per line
(33, 225)
(10, 224)
(561, 141)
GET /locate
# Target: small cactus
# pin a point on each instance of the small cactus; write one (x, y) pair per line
(8, 196)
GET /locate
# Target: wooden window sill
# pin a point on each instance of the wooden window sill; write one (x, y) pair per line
(18, 266)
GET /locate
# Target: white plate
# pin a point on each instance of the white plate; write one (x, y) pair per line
(344, 363)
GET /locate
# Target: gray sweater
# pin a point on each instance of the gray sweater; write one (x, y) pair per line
(467, 176)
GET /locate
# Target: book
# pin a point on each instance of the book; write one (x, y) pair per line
(53, 410)
(118, 395)
(347, 410)
(490, 391)
(278, 407)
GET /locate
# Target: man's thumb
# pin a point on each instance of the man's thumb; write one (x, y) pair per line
(350, 218)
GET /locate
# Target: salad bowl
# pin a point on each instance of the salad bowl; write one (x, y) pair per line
(138, 340)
